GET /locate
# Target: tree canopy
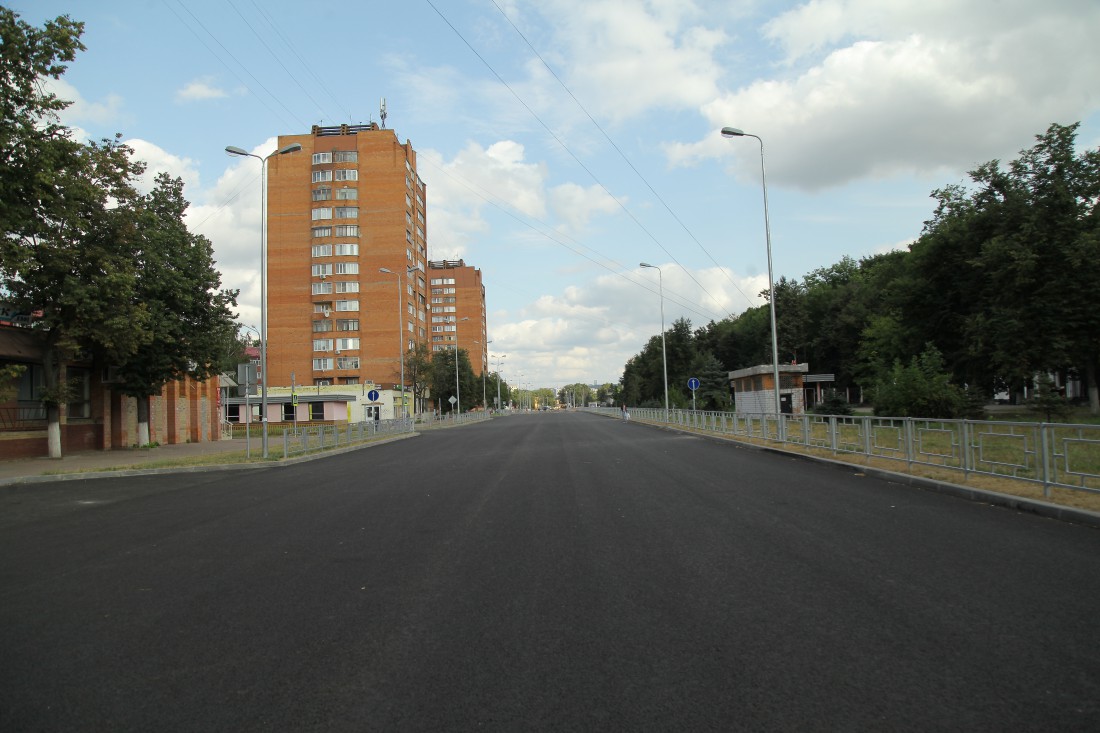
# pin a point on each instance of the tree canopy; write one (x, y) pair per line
(1000, 284)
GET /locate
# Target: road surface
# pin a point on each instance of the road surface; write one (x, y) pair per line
(551, 571)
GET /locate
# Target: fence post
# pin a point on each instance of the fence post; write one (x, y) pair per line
(909, 443)
(868, 426)
(285, 445)
(1045, 442)
(966, 448)
(832, 433)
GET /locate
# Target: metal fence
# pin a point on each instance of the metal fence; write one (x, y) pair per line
(1052, 455)
(312, 438)
(316, 437)
(23, 417)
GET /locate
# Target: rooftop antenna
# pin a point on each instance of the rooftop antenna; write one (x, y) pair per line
(382, 113)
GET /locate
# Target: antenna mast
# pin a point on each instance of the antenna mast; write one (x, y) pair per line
(382, 113)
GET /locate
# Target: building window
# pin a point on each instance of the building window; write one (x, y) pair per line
(344, 250)
(347, 344)
(317, 409)
(345, 174)
(321, 288)
(322, 194)
(347, 194)
(347, 212)
(288, 412)
(323, 308)
(322, 176)
(347, 362)
(347, 268)
(443, 281)
(322, 250)
(349, 286)
(322, 326)
(351, 380)
(408, 236)
(347, 305)
(321, 158)
(321, 232)
(346, 156)
(347, 324)
(321, 270)
(322, 344)
(347, 230)
(322, 213)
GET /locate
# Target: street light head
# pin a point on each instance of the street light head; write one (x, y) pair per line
(732, 132)
(292, 148)
(234, 150)
(386, 270)
(644, 264)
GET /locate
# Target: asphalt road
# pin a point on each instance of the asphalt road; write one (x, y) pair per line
(540, 572)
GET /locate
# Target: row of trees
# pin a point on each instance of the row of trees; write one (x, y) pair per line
(1000, 287)
(434, 373)
(109, 273)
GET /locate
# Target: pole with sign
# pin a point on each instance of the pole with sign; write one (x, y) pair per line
(693, 384)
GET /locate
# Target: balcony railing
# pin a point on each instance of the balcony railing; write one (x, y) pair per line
(21, 417)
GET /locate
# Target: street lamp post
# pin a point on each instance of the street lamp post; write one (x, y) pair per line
(664, 358)
(484, 399)
(400, 337)
(735, 132)
(498, 378)
(234, 150)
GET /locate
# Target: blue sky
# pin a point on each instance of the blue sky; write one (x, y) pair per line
(563, 142)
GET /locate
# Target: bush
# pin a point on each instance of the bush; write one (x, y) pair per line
(833, 404)
(921, 389)
(1048, 401)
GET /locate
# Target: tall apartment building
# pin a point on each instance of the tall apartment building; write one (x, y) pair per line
(458, 310)
(347, 205)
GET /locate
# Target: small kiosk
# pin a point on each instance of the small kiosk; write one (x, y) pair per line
(753, 389)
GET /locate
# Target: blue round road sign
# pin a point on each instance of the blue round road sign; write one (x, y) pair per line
(372, 395)
(693, 384)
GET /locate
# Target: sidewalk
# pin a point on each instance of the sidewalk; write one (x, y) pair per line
(14, 471)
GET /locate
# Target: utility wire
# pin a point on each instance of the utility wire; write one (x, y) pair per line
(275, 56)
(286, 41)
(568, 150)
(619, 151)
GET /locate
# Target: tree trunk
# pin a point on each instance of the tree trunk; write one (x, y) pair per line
(53, 430)
(52, 381)
(143, 420)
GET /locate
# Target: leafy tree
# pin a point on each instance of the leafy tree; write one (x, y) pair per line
(190, 321)
(921, 389)
(1048, 401)
(419, 371)
(68, 215)
(443, 380)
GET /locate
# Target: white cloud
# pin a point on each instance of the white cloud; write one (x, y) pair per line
(575, 205)
(199, 90)
(82, 111)
(928, 89)
(158, 160)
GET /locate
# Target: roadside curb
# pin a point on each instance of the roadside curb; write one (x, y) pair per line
(87, 475)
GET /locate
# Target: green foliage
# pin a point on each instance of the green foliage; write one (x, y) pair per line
(714, 383)
(1048, 401)
(443, 380)
(190, 325)
(920, 389)
(9, 380)
(833, 404)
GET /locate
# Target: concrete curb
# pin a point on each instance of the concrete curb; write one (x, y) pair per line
(88, 475)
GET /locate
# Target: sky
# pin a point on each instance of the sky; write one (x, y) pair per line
(564, 142)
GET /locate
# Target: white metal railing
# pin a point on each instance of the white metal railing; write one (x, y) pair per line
(1054, 455)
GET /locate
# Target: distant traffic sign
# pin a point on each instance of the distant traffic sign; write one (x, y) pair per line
(372, 395)
(693, 384)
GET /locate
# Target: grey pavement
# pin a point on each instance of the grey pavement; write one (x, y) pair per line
(83, 462)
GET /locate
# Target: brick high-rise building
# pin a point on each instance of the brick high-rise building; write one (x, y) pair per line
(457, 294)
(345, 206)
